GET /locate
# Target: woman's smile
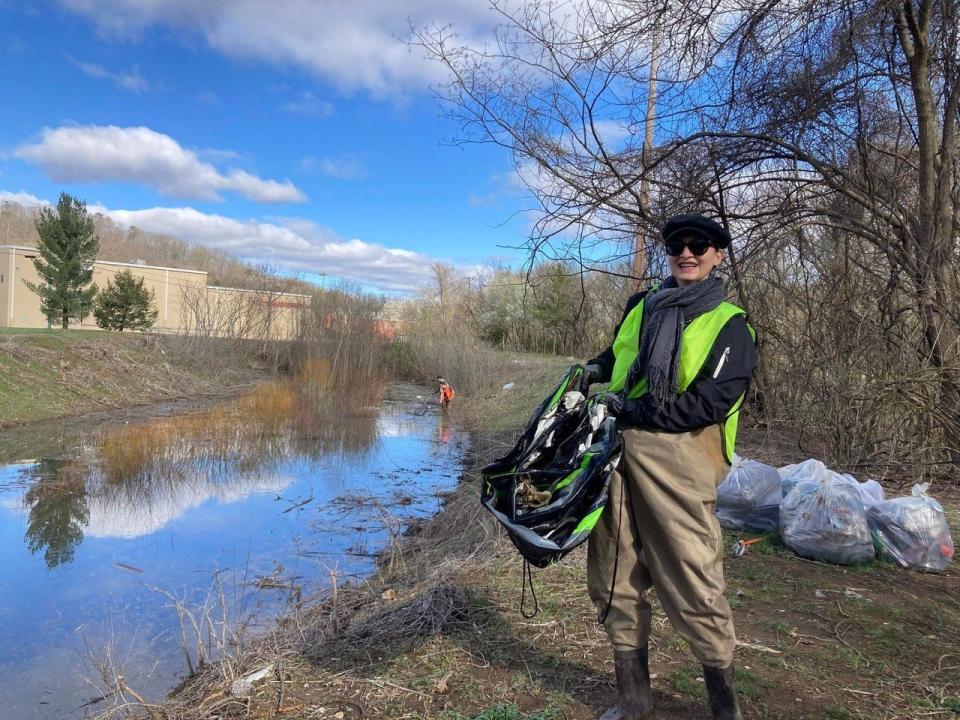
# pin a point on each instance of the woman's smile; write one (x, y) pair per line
(688, 268)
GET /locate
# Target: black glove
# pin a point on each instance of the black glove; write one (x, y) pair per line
(591, 374)
(614, 403)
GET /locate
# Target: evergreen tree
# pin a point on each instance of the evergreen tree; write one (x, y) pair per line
(125, 305)
(67, 250)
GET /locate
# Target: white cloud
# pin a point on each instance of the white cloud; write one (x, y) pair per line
(131, 80)
(354, 45)
(310, 105)
(22, 198)
(345, 167)
(141, 155)
(612, 132)
(490, 198)
(290, 244)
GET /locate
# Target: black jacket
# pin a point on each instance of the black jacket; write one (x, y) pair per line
(709, 397)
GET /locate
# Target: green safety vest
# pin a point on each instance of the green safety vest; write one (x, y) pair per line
(698, 339)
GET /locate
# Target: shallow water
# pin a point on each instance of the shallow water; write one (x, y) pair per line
(91, 559)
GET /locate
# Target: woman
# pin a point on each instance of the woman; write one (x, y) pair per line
(679, 366)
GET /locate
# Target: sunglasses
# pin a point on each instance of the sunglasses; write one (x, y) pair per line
(698, 245)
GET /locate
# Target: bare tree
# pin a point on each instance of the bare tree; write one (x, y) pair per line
(822, 134)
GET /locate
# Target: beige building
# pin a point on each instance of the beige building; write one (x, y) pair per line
(184, 301)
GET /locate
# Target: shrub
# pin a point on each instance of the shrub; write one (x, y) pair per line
(125, 304)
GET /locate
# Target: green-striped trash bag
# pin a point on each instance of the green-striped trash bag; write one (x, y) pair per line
(550, 490)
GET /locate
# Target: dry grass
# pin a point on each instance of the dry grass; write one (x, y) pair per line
(126, 452)
(276, 419)
(53, 373)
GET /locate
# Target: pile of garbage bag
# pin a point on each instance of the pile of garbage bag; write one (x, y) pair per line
(810, 469)
(829, 516)
(749, 498)
(912, 531)
(824, 519)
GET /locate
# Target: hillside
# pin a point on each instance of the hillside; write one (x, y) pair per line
(47, 374)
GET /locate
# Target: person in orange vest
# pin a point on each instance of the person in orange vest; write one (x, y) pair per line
(446, 393)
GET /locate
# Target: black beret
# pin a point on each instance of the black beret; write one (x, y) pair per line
(698, 224)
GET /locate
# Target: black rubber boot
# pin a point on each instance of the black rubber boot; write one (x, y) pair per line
(634, 700)
(722, 695)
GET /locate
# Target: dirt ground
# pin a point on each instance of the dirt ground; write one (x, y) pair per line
(815, 640)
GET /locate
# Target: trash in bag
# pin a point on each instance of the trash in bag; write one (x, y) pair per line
(870, 491)
(810, 469)
(825, 520)
(549, 491)
(912, 531)
(750, 496)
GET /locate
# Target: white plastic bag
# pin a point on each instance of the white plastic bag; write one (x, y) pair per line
(810, 469)
(912, 531)
(749, 498)
(871, 492)
(825, 519)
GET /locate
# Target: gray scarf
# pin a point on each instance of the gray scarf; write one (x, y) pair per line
(667, 310)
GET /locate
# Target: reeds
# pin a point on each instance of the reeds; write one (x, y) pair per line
(275, 421)
(128, 451)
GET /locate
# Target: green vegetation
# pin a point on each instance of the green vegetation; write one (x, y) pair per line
(506, 712)
(68, 247)
(125, 304)
(687, 681)
(47, 374)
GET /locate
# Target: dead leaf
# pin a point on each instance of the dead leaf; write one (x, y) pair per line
(441, 686)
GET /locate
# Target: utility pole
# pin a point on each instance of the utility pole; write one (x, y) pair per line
(640, 250)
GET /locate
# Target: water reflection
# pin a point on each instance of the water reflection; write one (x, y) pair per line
(133, 480)
(86, 540)
(58, 510)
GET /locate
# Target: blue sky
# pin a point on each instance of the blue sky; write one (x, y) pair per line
(295, 132)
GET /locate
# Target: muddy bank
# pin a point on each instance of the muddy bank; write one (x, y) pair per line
(49, 374)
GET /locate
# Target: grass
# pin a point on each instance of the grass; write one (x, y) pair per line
(498, 411)
(687, 681)
(506, 712)
(51, 335)
(47, 374)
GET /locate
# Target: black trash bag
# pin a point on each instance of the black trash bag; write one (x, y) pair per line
(549, 491)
